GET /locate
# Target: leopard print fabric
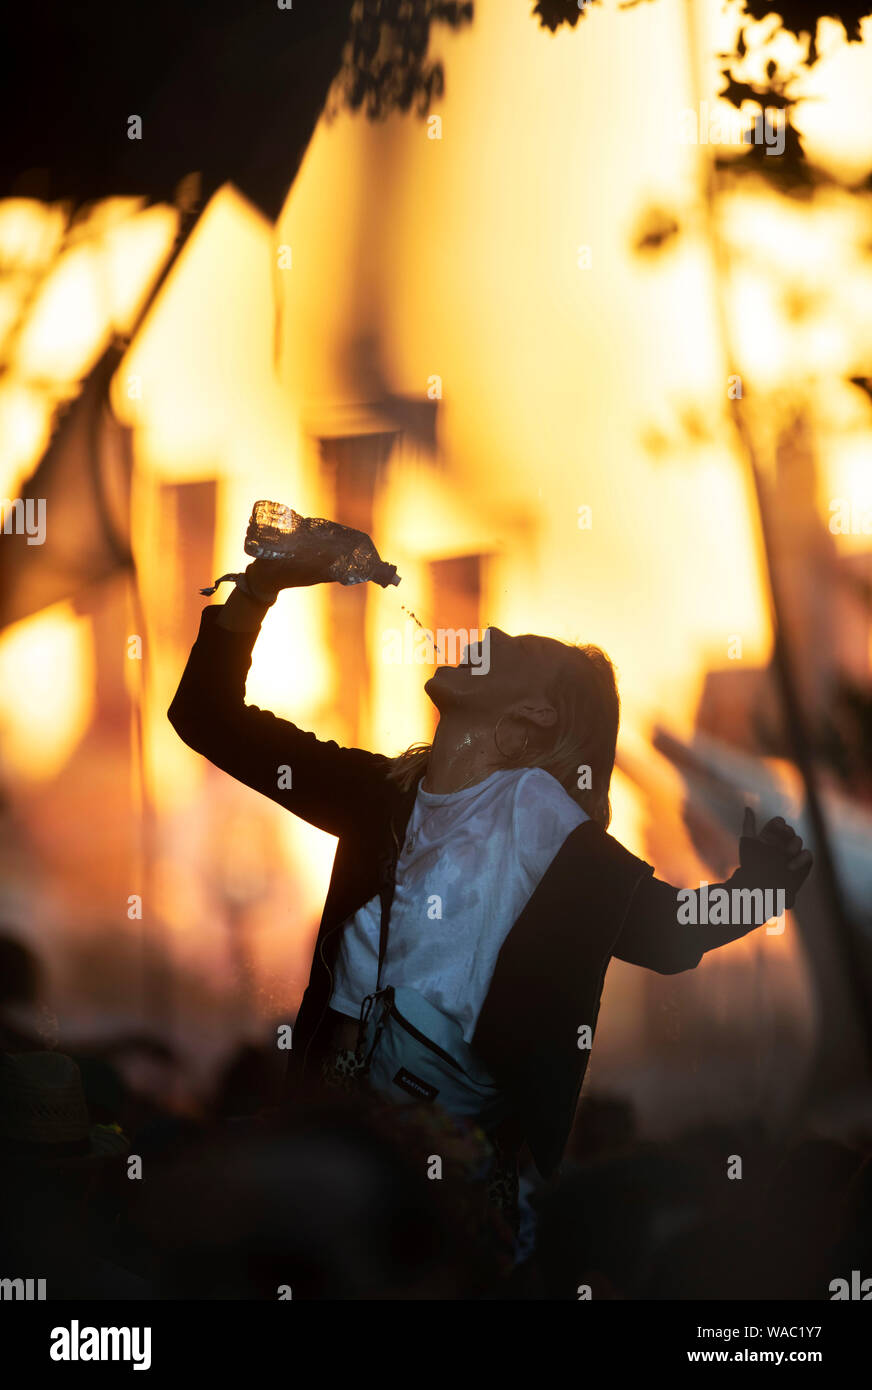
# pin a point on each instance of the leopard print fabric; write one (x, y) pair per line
(342, 1069)
(503, 1186)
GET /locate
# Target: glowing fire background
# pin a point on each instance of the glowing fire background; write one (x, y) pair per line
(502, 330)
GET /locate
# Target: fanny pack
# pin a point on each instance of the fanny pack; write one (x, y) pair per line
(412, 1052)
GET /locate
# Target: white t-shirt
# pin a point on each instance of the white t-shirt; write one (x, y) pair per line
(469, 863)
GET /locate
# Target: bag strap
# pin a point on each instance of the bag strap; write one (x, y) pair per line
(385, 893)
(387, 882)
(385, 997)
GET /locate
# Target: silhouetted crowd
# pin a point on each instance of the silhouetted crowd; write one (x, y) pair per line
(109, 1193)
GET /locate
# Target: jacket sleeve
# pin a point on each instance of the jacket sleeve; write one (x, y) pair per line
(666, 930)
(331, 787)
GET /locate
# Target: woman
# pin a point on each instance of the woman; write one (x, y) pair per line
(479, 868)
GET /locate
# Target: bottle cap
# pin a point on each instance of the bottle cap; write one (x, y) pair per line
(384, 574)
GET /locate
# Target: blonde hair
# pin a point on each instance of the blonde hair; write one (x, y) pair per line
(585, 735)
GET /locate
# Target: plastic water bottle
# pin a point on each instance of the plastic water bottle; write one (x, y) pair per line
(276, 532)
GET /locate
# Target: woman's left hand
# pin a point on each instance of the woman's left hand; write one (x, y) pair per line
(778, 845)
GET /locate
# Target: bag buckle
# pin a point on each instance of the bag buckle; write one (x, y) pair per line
(366, 1007)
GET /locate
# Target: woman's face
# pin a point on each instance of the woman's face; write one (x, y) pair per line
(499, 675)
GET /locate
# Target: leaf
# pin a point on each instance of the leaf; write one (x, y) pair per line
(385, 66)
(553, 13)
(801, 16)
(736, 92)
(790, 172)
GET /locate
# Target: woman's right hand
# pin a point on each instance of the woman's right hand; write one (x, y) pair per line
(266, 578)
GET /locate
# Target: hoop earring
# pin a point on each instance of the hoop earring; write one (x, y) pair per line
(510, 757)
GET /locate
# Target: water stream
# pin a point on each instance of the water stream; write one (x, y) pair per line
(429, 630)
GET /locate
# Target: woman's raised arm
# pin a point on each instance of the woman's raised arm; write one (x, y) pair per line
(328, 786)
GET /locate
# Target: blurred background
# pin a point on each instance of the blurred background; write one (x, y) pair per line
(507, 287)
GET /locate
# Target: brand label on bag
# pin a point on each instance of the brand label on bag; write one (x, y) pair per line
(415, 1086)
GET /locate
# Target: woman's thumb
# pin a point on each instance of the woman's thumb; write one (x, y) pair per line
(749, 824)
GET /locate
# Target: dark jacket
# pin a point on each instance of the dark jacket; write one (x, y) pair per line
(595, 901)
